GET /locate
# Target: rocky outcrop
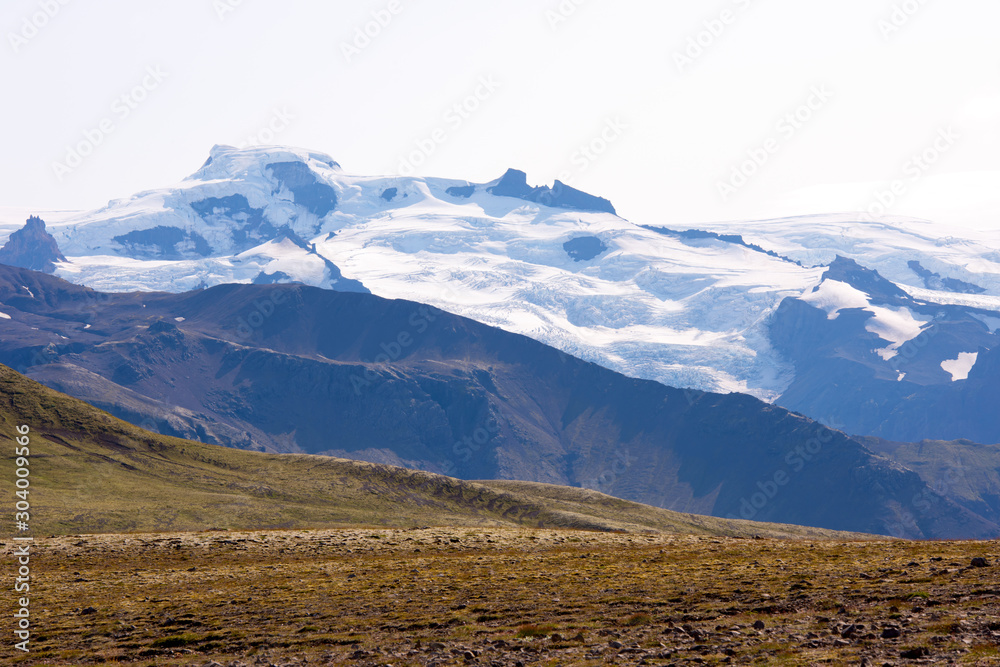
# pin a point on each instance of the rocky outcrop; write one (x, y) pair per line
(514, 183)
(31, 247)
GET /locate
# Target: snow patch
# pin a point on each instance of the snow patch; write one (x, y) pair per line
(959, 368)
(834, 296)
(887, 353)
(894, 325)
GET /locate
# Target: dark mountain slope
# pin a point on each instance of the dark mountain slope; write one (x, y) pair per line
(300, 369)
(847, 374)
(94, 473)
(964, 471)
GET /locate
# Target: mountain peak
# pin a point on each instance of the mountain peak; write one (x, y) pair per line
(867, 280)
(229, 161)
(31, 247)
(514, 183)
(513, 179)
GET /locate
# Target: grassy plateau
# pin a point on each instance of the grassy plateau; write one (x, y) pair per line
(151, 550)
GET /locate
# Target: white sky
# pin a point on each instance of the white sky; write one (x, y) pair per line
(558, 88)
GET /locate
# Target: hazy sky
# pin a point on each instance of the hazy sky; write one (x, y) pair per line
(689, 110)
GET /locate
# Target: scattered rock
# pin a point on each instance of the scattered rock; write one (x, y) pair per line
(915, 653)
(759, 625)
(980, 562)
(87, 610)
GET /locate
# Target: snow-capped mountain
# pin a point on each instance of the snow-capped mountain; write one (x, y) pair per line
(953, 262)
(552, 263)
(314, 374)
(874, 360)
(689, 308)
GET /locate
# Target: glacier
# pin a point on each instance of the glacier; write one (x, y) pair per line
(687, 311)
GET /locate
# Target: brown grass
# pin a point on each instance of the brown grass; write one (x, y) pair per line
(416, 597)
